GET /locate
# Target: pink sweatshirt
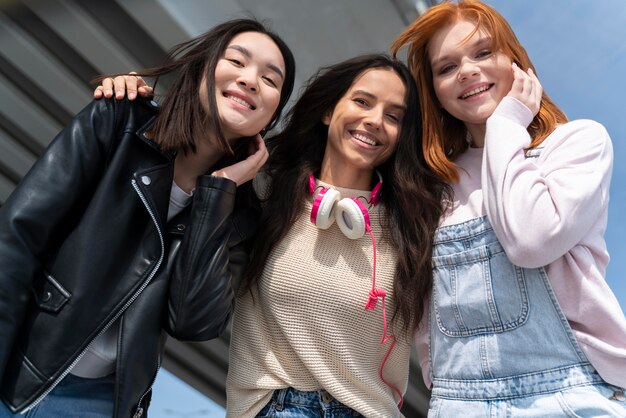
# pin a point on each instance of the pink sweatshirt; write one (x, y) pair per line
(549, 210)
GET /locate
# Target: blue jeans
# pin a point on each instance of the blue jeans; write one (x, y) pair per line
(292, 403)
(73, 397)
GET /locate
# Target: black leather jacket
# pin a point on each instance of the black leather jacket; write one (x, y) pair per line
(84, 242)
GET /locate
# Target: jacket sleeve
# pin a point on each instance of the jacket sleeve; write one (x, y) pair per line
(212, 258)
(541, 210)
(49, 196)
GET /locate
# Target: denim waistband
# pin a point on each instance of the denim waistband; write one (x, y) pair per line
(547, 381)
(317, 398)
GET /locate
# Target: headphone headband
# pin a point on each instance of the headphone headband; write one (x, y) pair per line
(375, 196)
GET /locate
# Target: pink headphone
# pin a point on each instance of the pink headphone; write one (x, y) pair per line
(354, 221)
(350, 213)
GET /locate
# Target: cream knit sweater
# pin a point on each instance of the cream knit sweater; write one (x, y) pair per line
(307, 327)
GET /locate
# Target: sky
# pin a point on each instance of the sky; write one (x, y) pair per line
(173, 398)
(578, 48)
(579, 51)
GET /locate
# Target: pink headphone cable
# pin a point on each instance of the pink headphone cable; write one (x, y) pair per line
(374, 294)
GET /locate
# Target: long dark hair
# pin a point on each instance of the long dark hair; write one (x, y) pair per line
(411, 196)
(181, 116)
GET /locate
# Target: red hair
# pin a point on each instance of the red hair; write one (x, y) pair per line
(443, 134)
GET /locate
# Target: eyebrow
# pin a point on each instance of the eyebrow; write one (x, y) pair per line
(248, 54)
(480, 42)
(372, 96)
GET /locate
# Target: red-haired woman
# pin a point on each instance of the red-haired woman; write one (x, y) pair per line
(522, 321)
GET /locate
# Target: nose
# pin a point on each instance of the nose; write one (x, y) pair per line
(374, 118)
(467, 69)
(247, 80)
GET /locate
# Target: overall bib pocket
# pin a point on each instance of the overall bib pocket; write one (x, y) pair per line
(478, 291)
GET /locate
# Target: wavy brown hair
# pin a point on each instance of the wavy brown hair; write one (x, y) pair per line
(411, 197)
(443, 134)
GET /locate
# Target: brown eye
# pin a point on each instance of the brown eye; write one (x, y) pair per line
(446, 69)
(394, 118)
(270, 81)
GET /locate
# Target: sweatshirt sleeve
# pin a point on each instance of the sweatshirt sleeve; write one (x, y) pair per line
(422, 347)
(542, 208)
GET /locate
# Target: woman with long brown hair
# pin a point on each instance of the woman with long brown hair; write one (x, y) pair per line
(521, 319)
(342, 265)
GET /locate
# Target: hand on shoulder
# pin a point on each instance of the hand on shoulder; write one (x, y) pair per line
(129, 85)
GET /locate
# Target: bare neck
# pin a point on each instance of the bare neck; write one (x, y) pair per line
(347, 176)
(477, 132)
(188, 167)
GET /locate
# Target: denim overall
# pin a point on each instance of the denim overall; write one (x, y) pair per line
(500, 345)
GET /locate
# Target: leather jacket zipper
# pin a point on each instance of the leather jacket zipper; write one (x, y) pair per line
(139, 412)
(119, 313)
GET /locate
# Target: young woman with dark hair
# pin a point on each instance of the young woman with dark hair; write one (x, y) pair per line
(104, 243)
(308, 335)
(299, 150)
(522, 321)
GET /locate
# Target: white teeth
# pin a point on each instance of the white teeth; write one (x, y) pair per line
(475, 91)
(240, 101)
(365, 139)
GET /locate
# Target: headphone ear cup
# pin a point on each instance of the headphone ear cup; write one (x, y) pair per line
(323, 210)
(352, 218)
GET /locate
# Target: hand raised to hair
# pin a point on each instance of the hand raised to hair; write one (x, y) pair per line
(247, 169)
(526, 88)
(130, 85)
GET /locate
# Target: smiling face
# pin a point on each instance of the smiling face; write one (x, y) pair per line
(469, 77)
(248, 81)
(364, 125)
